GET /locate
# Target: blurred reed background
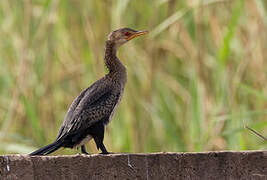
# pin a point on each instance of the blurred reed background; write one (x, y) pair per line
(194, 82)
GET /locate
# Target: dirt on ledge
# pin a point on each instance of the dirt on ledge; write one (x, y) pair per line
(208, 165)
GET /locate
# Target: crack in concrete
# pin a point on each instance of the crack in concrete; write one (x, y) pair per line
(129, 163)
(7, 164)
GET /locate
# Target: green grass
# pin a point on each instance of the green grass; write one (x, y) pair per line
(194, 82)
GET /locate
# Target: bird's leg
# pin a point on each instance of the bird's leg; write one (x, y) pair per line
(98, 135)
(83, 149)
(99, 144)
(103, 149)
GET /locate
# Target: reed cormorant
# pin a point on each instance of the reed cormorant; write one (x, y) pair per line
(93, 109)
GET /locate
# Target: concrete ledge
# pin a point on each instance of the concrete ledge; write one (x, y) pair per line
(209, 165)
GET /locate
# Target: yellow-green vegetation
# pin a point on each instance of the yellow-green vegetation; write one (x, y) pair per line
(194, 81)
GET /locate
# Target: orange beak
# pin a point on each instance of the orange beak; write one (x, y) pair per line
(138, 33)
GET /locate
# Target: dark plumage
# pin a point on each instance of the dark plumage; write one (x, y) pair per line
(92, 110)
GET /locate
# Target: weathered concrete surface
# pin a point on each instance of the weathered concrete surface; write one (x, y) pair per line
(210, 165)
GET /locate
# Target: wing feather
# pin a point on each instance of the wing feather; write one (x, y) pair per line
(92, 105)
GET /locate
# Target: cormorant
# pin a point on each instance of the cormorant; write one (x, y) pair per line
(93, 109)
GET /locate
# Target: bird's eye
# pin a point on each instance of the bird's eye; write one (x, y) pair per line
(127, 34)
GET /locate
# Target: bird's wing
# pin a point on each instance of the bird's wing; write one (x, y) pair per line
(70, 113)
(92, 105)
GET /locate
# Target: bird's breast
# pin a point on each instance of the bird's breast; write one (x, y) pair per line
(116, 106)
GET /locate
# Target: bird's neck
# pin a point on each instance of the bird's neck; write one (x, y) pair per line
(112, 62)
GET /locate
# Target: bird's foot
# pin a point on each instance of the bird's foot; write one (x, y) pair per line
(104, 153)
(83, 150)
(85, 153)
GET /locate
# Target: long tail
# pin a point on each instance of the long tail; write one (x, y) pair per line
(47, 149)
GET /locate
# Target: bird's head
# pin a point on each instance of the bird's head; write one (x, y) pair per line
(124, 35)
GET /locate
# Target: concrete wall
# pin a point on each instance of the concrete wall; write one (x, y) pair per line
(210, 165)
